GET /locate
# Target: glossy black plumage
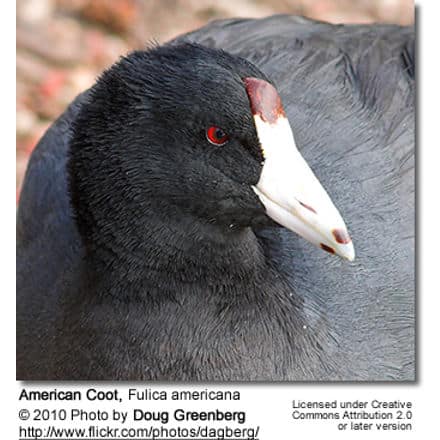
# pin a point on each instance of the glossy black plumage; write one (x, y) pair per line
(266, 305)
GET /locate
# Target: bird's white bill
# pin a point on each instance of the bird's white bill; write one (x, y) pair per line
(291, 193)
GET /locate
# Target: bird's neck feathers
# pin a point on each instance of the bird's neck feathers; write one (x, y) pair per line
(159, 256)
(205, 278)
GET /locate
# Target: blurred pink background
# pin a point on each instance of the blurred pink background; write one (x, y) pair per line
(62, 45)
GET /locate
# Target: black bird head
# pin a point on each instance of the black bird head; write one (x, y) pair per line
(194, 138)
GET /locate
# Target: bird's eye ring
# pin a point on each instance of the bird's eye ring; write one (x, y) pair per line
(216, 135)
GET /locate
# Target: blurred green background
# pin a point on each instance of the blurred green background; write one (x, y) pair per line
(62, 45)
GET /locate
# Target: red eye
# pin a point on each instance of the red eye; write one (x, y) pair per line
(216, 135)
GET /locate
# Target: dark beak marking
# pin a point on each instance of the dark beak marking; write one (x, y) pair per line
(341, 236)
(307, 207)
(327, 248)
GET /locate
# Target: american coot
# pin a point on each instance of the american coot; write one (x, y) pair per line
(149, 238)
